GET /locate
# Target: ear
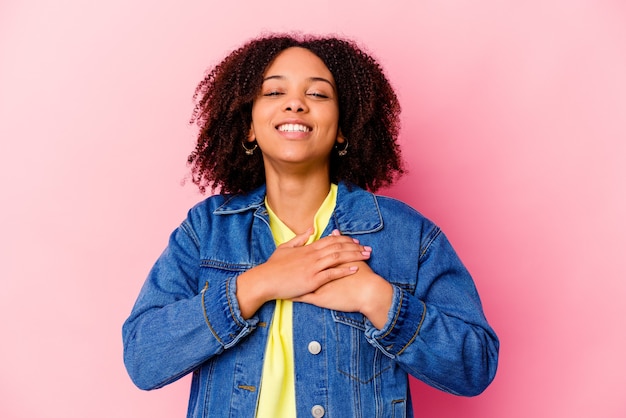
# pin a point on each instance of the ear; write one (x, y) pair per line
(340, 138)
(251, 135)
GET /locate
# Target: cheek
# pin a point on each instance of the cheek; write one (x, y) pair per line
(336, 116)
(261, 115)
(331, 118)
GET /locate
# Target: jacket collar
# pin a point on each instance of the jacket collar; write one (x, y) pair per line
(356, 212)
(237, 203)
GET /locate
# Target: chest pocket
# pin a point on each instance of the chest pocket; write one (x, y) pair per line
(356, 358)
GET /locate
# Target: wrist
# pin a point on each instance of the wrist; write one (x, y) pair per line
(378, 296)
(249, 295)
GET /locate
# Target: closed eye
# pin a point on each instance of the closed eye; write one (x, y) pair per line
(272, 93)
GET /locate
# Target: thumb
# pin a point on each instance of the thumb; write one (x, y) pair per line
(299, 240)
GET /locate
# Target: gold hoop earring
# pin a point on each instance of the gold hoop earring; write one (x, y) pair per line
(343, 151)
(249, 151)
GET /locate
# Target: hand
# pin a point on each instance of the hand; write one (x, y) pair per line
(295, 269)
(364, 291)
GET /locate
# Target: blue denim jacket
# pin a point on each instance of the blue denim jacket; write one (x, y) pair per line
(186, 318)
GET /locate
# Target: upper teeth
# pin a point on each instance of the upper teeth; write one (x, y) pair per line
(293, 127)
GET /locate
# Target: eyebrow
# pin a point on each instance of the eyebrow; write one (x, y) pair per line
(282, 77)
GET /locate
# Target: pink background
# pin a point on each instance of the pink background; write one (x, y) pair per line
(514, 129)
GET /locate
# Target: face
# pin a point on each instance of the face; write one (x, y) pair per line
(295, 117)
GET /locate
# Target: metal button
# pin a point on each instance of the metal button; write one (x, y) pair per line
(318, 411)
(315, 347)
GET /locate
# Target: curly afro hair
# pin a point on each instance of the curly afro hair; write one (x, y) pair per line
(368, 116)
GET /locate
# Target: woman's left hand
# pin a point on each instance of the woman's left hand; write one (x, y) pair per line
(363, 291)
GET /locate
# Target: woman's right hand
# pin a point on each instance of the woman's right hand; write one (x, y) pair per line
(295, 269)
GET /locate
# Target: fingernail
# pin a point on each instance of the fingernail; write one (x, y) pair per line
(367, 248)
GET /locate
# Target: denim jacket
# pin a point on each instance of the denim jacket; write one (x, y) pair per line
(187, 320)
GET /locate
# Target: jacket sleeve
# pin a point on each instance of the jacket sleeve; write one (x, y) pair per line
(173, 327)
(439, 333)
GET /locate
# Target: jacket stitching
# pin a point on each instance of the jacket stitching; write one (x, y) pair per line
(435, 232)
(395, 319)
(230, 306)
(417, 331)
(224, 265)
(190, 232)
(365, 381)
(206, 317)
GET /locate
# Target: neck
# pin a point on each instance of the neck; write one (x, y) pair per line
(296, 200)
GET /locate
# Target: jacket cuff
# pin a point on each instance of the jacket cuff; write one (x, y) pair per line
(222, 314)
(404, 321)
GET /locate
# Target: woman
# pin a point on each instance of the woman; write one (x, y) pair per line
(294, 291)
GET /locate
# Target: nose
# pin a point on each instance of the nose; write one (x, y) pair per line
(295, 104)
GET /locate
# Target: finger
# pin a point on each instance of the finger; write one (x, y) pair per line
(337, 233)
(335, 273)
(342, 252)
(333, 240)
(299, 240)
(329, 276)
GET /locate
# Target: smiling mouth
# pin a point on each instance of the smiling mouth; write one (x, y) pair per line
(293, 127)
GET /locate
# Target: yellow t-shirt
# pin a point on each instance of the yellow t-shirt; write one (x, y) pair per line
(277, 398)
